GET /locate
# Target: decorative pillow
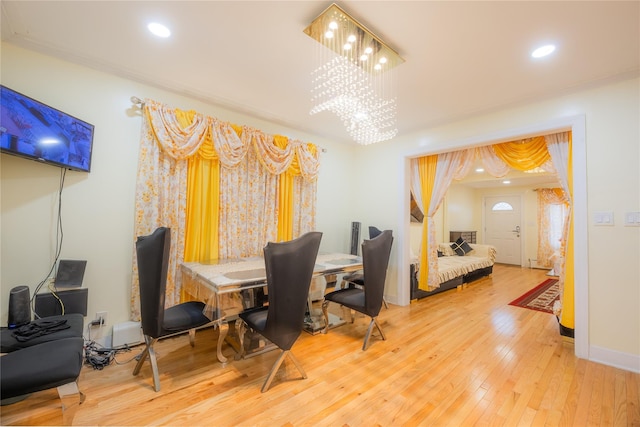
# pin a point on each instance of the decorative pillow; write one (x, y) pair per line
(461, 247)
(446, 250)
(440, 254)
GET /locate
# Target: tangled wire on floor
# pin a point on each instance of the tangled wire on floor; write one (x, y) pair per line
(99, 357)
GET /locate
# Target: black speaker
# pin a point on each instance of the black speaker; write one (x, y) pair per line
(19, 307)
(355, 237)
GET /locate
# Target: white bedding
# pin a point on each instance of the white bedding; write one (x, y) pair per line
(451, 265)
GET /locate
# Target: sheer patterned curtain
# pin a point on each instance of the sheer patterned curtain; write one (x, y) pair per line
(552, 211)
(161, 186)
(248, 208)
(494, 165)
(215, 185)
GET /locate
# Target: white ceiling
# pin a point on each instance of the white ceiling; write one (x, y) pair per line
(462, 58)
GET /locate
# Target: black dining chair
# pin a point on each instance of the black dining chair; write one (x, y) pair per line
(157, 321)
(367, 299)
(357, 277)
(289, 267)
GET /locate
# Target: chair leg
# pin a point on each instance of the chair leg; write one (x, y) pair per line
(71, 398)
(374, 321)
(296, 362)
(151, 354)
(143, 356)
(276, 366)
(273, 371)
(192, 337)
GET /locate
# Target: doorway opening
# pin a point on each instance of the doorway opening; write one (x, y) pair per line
(575, 124)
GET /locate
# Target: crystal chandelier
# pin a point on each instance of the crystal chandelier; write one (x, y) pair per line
(354, 78)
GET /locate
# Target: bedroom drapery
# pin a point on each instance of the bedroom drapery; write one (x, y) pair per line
(217, 186)
(426, 172)
(552, 213)
(551, 152)
(560, 150)
(445, 168)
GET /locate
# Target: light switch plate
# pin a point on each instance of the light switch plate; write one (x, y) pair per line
(603, 218)
(632, 219)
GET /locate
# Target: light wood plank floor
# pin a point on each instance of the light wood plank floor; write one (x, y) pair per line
(461, 358)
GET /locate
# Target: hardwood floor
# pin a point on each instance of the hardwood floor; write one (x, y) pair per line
(460, 358)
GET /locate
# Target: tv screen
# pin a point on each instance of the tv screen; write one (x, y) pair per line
(33, 130)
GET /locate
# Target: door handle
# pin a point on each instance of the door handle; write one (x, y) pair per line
(517, 230)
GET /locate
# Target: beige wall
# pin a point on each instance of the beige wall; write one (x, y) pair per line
(98, 207)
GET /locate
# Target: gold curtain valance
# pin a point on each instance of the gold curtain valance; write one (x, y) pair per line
(523, 155)
(184, 134)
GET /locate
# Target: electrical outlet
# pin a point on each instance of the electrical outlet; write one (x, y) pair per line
(101, 316)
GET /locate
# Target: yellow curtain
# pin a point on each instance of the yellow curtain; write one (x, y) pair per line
(203, 193)
(285, 196)
(427, 170)
(567, 317)
(523, 155)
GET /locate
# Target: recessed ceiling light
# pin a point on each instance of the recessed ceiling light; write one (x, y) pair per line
(159, 30)
(543, 51)
(506, 181)
(480, 170)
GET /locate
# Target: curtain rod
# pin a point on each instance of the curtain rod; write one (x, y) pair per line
(139, 102)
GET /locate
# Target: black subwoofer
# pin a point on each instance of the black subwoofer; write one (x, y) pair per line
(19, 307)
(355, 237)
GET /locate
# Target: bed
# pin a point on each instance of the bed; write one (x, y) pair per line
(455, 270)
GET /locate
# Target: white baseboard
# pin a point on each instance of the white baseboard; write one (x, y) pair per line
(617, 359)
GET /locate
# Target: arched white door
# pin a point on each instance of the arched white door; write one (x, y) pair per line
(503, 215)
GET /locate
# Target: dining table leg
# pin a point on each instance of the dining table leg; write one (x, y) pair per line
(224, 330)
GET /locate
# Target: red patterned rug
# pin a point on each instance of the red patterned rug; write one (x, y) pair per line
(540, 298)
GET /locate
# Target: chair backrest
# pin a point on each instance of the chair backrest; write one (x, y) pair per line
(374, 232)
(153, 262)
(375, 260)
(289, 266)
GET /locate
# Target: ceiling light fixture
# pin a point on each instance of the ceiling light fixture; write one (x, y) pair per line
(543, 51)
(159, 30)
(354, 77)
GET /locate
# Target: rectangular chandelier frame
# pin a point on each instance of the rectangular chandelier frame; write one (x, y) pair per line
(342, 33)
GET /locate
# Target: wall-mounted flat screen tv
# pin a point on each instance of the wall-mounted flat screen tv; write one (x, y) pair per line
(33, 130)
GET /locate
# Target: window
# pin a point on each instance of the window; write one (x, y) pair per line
(502, 206)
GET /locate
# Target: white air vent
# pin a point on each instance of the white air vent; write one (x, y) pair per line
(127, 333)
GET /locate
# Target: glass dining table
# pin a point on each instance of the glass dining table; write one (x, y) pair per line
(229, 286)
